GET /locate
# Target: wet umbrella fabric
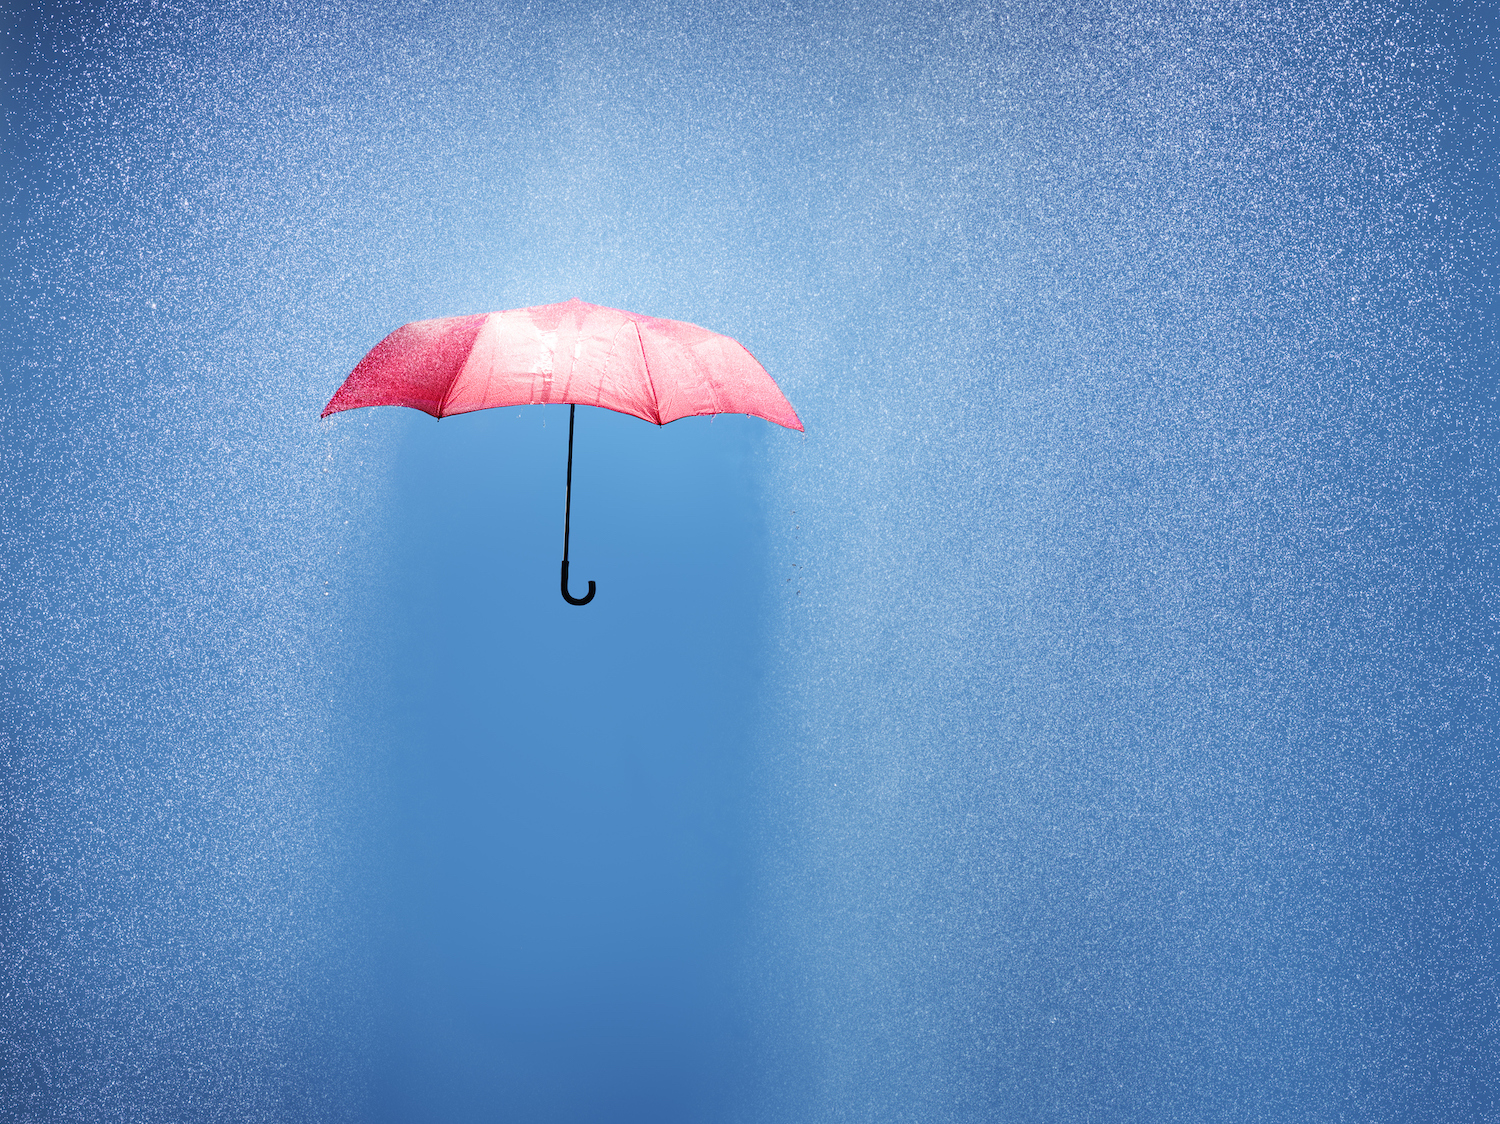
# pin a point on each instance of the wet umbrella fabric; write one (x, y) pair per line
(578, 353)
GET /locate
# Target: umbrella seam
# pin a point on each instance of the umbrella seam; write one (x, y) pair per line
(713, 395)
(448, 392)
(572, 352)
(655, 398)
(443, 401)
(614, 345)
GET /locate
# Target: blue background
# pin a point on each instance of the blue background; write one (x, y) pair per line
(1091, 718)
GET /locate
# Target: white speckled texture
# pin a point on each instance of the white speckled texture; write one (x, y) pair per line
(1123, 645)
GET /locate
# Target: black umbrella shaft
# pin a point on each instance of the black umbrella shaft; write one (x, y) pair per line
(568, 506)
(568, 522)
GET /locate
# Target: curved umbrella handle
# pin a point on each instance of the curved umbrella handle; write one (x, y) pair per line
(568, 597)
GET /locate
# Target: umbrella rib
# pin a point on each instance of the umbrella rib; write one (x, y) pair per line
(448, 392)
(443, 402)
(614, 346)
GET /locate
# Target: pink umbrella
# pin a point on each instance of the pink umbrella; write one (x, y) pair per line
(573, 352)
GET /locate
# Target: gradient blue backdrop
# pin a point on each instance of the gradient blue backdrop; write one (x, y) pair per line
(1091, 718)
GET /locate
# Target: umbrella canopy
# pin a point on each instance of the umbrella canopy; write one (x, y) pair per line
(583, 354)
